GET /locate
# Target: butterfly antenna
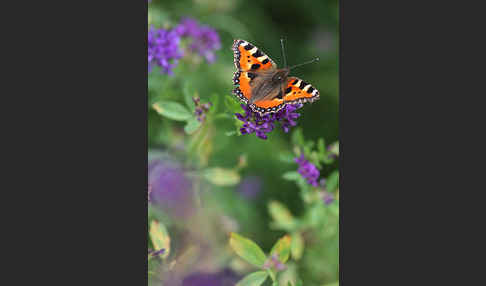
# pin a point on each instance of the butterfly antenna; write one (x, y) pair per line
(308, 62)
(283, 52)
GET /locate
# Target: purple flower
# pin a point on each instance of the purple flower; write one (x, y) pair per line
(327, 198)
(201, 109)
(155, 253)
(274, 262)
(250, 187)
(149, 191)
(170, 189)
(163, 49)
(205, 40)
(307, 170)
(253, 122)
(286, 116)
(226, 277)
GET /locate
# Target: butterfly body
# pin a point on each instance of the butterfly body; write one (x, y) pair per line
(264, 87)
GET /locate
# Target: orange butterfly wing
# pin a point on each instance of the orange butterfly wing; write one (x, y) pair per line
(299, 91)
(296, 91)
(248, 58)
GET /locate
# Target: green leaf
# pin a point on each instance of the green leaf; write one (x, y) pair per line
(253, 279)
(221, 177)
(192, 125)
(321, 147)
(297, 246)
(282, 217)
(298, 137)
(215, 103)
(282, 248)
(232, 105)
(334, 148)
(334, 208)
(247, 249)
(160, 238)
(332, 182)
(286, 157)
(189, 93)
(231, 133)
(291, 176)
(172, 110)
(314, 159)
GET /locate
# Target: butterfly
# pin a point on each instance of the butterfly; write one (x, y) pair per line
(263, 86)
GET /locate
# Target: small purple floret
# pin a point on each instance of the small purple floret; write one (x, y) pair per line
(274, 262)
(307, 170)
(201, 109)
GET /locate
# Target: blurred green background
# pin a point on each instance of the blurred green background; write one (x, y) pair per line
(310, 29)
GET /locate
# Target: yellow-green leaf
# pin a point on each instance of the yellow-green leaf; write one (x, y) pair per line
(297, 246)
(160, 238)
(282, 248)
(192, 125)
(334, 148)
(172, 110)
(282, 217)
(222, 177)
(253, 279)
(247, 249)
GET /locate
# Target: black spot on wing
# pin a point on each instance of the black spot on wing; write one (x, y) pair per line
(302, 84)
(251, 75)
(249, 47)
(265, 61)
(310, 90)
(258, 54)
(255, 66)
(289, 89)
(295, 81)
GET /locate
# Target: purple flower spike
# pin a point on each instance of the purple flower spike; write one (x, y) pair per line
(164, 44)
(170, 188)
(205, 40)
(307, 170)
(328, 198)
(163, 49)
(287, 116)
(250, 187)
(201, 109)
(224, 277)
(253, 122)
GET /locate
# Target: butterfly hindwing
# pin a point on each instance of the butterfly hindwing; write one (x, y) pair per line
(296, 91)
(299, 91)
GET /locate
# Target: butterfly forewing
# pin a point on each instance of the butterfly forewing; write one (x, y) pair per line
(248, 57)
